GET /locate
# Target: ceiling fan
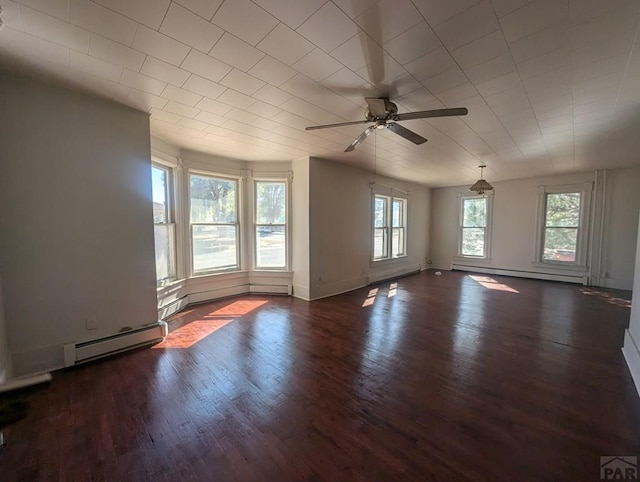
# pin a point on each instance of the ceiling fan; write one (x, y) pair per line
(385, 114)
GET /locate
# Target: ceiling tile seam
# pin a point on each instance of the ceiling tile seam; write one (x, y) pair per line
(472, 84)
(626, 69)
(477, 40)
(525, 90)
(164, 17)
(306, 18)
(512, 11)
(36, 35)
(204, 18)
(446, 19)
(260, 7)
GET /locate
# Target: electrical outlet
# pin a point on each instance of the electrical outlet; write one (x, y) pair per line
(92, 323)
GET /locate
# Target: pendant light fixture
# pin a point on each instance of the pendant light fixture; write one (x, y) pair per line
(481, 185)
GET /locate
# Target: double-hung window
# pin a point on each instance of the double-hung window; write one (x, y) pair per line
(474, 227)
(271, 224)
(214, 223)
(163, 225)
(561, 225)
(562, 232)
(389, 227)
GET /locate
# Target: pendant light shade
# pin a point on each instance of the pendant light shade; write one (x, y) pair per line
(481, 185)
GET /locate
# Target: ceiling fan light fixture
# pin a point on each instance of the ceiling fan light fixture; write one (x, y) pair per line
(481, 186)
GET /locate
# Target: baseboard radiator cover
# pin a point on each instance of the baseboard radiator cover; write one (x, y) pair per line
(75, 353)
(175, 306)
(396, 273)
(577, 278)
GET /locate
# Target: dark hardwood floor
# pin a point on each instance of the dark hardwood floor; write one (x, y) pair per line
(440, 378)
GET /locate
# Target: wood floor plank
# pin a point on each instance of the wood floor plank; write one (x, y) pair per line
(452, 377)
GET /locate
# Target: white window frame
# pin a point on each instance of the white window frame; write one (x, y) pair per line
(582, 239)
(486, 256)
(170, 196)
(238, 224)
(390, 194)
(265, 179)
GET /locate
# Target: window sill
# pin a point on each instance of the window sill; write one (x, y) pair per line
(387, 260)
(474, 259)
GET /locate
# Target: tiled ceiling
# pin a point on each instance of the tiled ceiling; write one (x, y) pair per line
(552, 86)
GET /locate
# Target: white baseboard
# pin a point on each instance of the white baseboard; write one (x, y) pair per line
(632, 356)
(577, 278)
(225, 292)
(172, 308)
(379, 276)
(325, 290)
(301, 292)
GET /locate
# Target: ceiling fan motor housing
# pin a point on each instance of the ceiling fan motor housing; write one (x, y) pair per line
(390, 110)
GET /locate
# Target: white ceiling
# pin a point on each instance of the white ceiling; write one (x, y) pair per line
(552, 86)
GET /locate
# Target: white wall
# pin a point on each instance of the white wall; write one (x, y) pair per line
(620, 228)
(514, 225)
(5, 355)
(631, 348)
(300, 228)
(76, 220)
(340, 203)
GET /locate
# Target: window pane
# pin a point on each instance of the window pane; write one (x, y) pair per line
(380, 243)
(563, 210)
(474, 212)
(397, 242)
(560, 244)
(380, 212)
(473, 241)
(270, 247)
(213, 200)
(270, 203)
(214, 247)
(159, 189)
(398, 212)
(165, 249)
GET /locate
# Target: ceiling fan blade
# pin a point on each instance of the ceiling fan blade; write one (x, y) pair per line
(367, 132)
(406, 133)
(425, 114)
(327, 126)
(377, 107)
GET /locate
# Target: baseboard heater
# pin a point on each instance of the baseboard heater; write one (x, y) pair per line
(75, 353)
(577, 278)
(405, 271)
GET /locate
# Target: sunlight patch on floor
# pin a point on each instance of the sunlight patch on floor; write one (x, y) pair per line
(371, 297)
(393, 289)
(188, 335)
(609, 298)
(491, 284)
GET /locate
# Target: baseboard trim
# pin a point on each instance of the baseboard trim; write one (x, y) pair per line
(632, 356)
(326, 290)
(301, 292)
(377, 277)
(171, 308)
(577, 278)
